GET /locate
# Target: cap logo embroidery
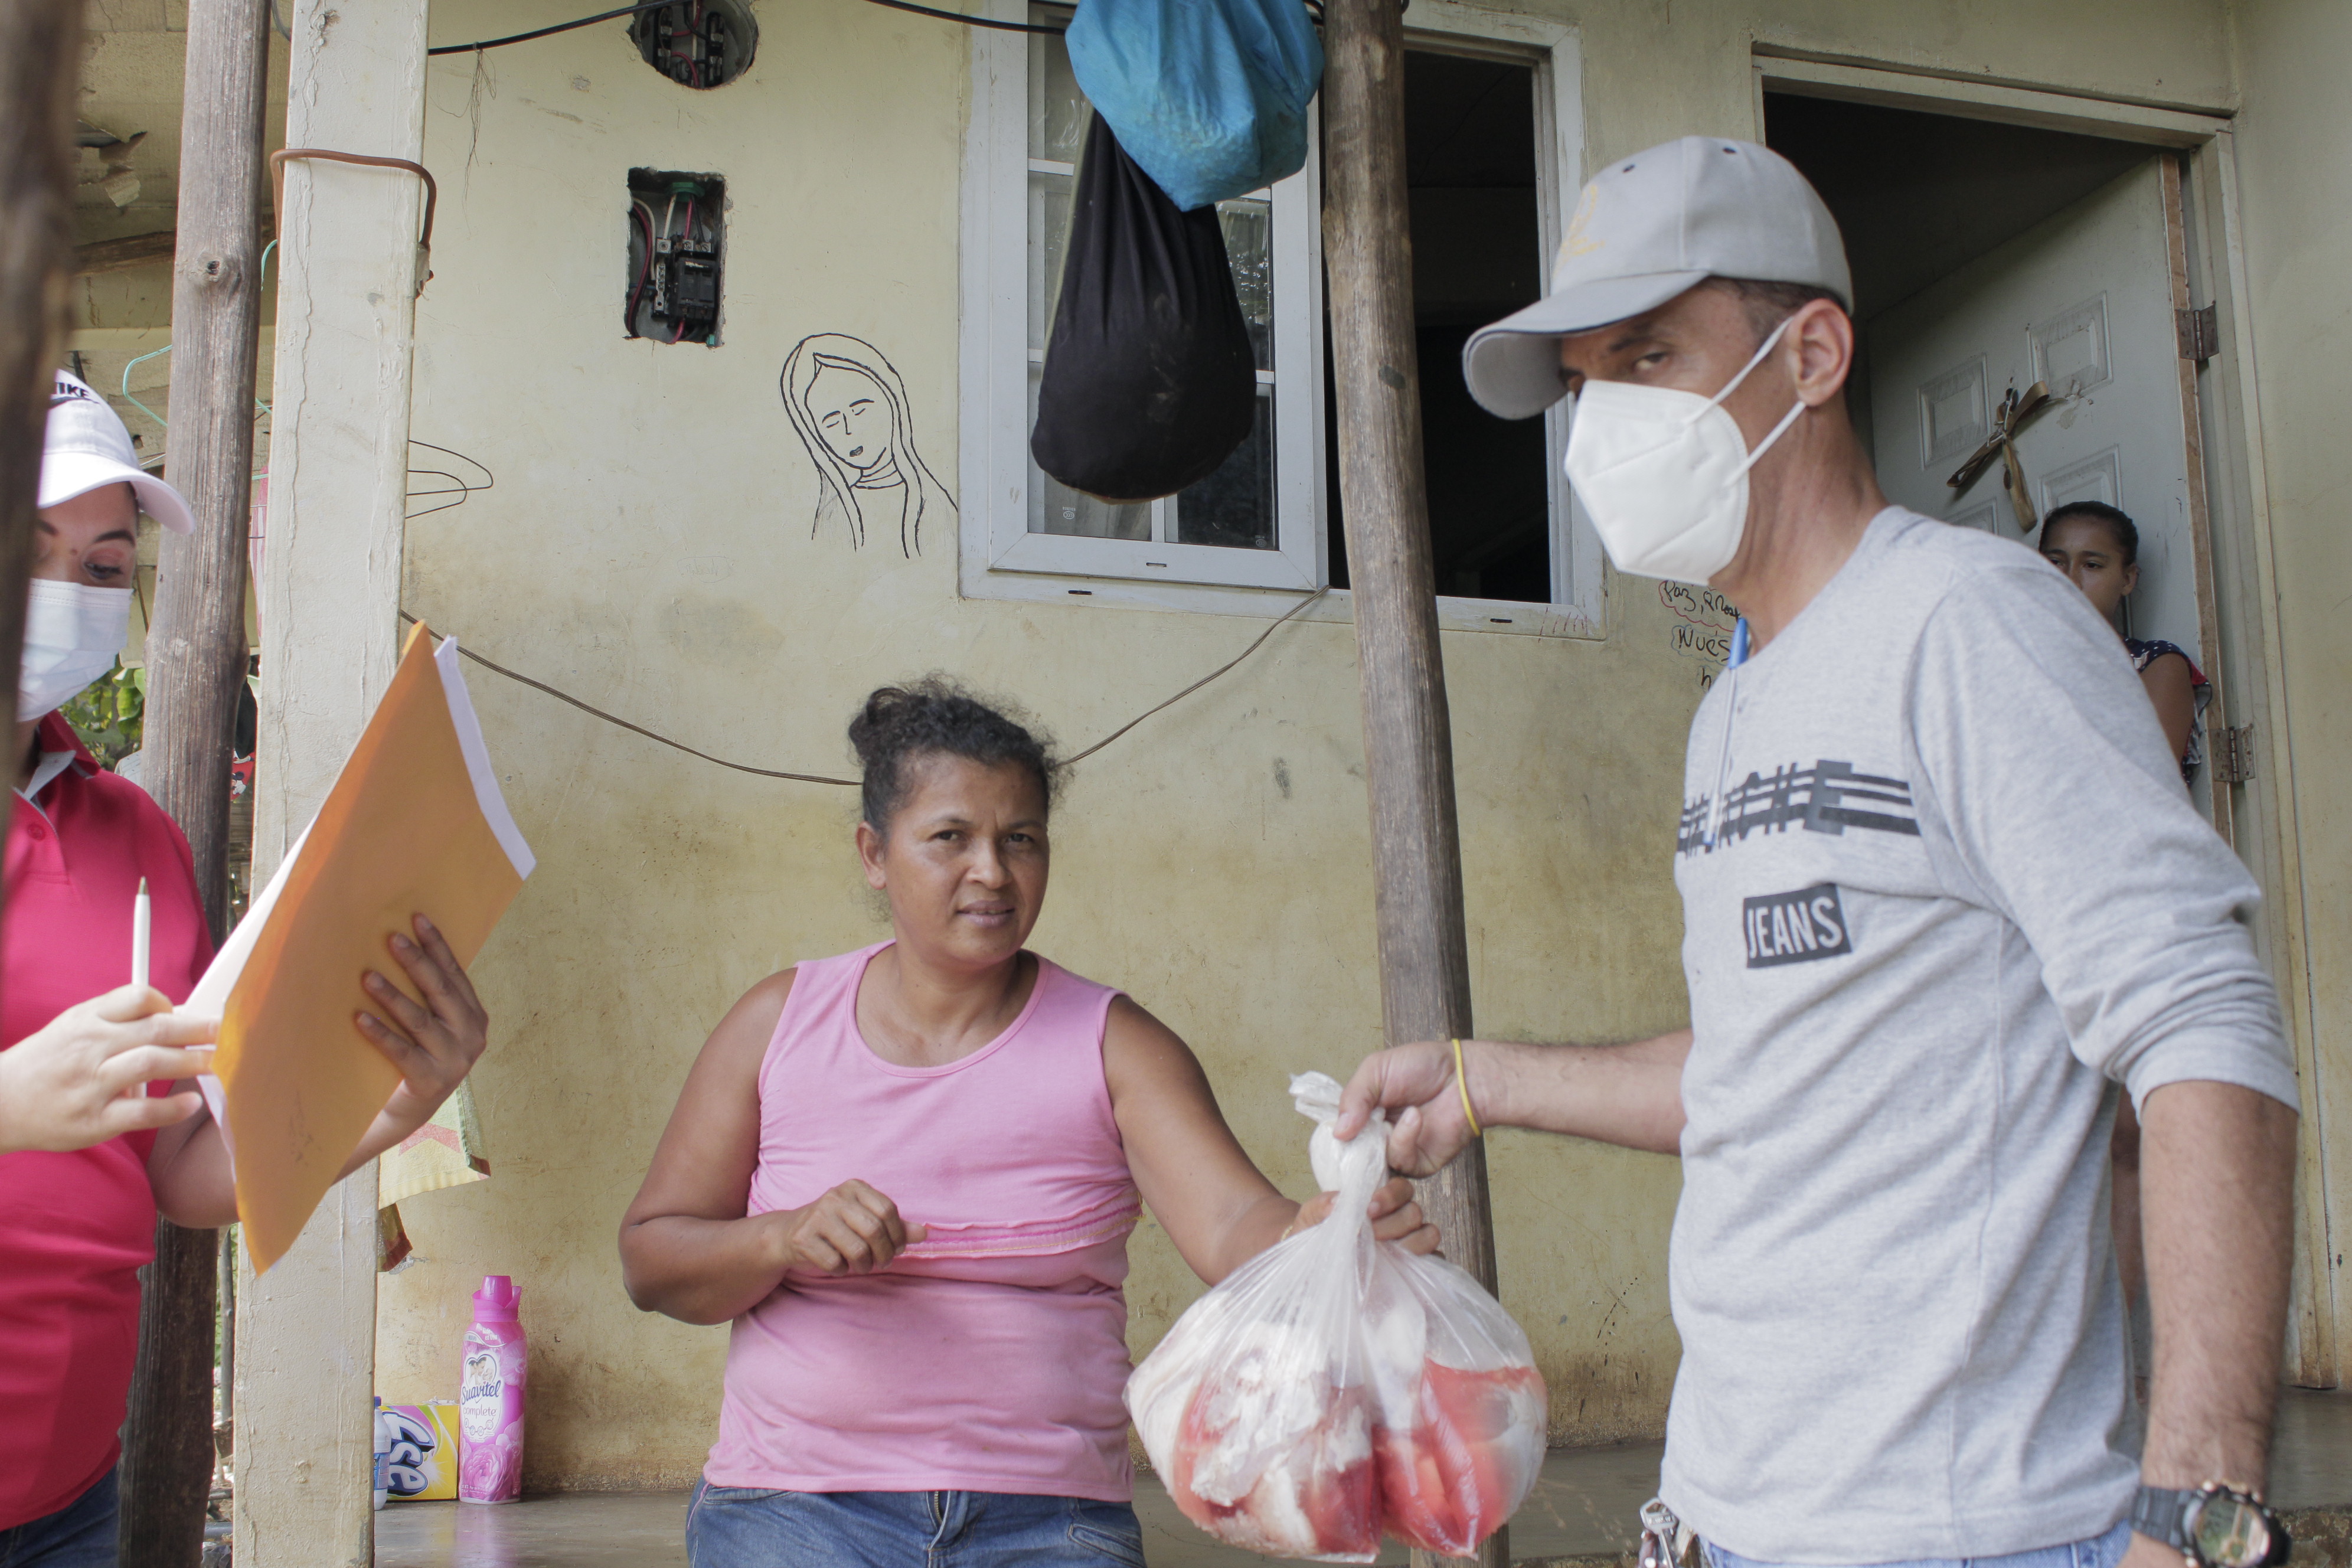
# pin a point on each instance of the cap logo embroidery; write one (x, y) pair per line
(1579, 241)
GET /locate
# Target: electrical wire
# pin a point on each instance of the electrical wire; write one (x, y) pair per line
(629, 320)
(969, 21)
(1253, 646)
(656, 736)
(660, 4)
(547, 32)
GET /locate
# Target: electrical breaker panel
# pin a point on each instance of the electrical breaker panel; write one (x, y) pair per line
(676, 228)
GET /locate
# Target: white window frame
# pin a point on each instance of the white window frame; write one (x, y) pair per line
(1000, 559)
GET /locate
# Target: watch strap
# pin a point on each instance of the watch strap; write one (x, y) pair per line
(2161, 1513)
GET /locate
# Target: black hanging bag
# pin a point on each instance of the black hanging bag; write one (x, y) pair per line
(1150, 381)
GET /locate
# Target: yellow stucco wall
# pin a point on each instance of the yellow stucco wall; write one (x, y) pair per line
(2296, 208)
(647, 547)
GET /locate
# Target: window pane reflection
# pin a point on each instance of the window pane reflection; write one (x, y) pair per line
(1249, 247)
(1234, 506)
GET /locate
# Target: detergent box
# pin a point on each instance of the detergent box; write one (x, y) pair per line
(422, 1463)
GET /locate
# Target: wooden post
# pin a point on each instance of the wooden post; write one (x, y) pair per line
(1407, 736)
(347, 281)
(196, 665)
(40, 61)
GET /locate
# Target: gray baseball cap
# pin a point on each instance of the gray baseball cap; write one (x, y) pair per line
(1647, 228)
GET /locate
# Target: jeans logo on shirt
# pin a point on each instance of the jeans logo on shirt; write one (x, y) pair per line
(1794, 927)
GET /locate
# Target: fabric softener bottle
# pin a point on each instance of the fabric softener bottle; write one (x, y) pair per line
(489, 1397)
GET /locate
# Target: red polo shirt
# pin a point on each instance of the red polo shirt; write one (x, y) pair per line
(74, 1229)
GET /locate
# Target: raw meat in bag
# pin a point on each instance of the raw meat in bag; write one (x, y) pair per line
(1457, 1464)
(1334, 1386)
(1257, 1410)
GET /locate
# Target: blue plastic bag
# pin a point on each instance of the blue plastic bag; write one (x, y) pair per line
(1208, 96)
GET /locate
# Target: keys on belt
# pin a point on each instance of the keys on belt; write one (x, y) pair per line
(1666, 1541)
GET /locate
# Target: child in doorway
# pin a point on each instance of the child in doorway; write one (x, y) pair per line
(2097, 547)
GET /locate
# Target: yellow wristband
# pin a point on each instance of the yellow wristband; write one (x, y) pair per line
(1462, 1081)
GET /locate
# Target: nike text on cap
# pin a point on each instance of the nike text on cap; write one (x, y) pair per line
(1647, 228)
(86, 446)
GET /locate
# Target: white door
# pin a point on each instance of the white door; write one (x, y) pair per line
(2083, 301)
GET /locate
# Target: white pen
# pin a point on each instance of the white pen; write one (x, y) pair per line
(139, 915)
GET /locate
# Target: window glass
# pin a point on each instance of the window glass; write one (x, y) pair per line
(1234, 506)
(1248, 225)
(1057, 110)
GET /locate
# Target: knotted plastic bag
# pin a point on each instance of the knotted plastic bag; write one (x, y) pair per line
(1210, 96)
(1149, 381)
(1335, 1386)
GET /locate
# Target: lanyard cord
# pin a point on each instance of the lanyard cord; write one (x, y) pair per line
(1730, 717)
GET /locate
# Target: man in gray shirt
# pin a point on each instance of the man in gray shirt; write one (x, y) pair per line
(1942, 893)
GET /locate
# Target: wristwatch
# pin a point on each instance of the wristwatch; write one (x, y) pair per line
(2216, 1526)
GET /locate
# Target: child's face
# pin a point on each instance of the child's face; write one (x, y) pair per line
(2086, 550)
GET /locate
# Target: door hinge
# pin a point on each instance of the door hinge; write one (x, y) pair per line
(2200, 333)
(2233, 755)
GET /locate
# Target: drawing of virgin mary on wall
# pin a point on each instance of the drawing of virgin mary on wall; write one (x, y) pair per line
(849, 407)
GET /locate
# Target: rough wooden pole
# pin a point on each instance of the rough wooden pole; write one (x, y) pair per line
(40, 61)
(347, 284)
(197, 664)
(1407, 736)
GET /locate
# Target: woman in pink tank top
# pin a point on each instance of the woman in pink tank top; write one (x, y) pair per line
(906, 1177)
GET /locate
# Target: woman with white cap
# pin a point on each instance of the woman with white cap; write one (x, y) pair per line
(89, 1154)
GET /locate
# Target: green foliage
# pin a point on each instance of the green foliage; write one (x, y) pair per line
(110, 714)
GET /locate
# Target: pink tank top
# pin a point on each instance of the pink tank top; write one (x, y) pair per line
(989, 1356)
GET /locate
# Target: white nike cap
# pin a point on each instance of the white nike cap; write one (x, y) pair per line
(87, 446)
(1647, 228)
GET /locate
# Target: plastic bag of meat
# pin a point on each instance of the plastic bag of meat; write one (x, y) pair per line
(1334, 1386)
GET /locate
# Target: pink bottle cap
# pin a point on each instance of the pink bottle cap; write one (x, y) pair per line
(496, 1301)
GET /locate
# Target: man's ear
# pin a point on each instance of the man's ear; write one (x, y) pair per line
(1820, 339)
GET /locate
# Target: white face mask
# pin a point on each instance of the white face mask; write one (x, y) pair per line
(1664, 474)
(72, 634)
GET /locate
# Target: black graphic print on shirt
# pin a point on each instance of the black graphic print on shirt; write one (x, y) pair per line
(1794, 927)
(1821, 798)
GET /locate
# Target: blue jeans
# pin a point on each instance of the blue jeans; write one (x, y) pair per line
(2098, 1551)
(78, 1535)
(746, 1527)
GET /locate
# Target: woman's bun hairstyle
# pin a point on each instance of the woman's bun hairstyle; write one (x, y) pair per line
(900, 725)
(2118, 523)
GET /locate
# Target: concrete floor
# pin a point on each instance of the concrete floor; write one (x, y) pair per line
(1585, 1503)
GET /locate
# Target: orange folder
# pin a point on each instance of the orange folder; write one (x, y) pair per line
(414, 824)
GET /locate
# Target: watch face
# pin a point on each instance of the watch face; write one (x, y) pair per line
(2231, 1532)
